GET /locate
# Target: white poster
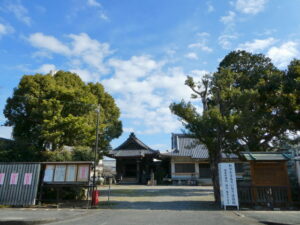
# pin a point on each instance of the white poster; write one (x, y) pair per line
(27, 178)
(2, 176)
(228, 187)
(14, 178)
(60, 172)
(71, 173)
(49, 173)
(83, 173)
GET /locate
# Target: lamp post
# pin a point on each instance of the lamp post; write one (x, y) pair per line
(96, 147)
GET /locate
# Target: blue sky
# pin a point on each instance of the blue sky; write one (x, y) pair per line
(141, 51)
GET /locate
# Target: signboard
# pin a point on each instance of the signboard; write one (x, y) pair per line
(67, 172)
(60, 172)
(228, 187)
(27, 178)
(49, 171)
(71, 173)
(83, 173)
(14, 178)
(2, 176)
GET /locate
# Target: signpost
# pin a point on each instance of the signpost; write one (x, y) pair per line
(228, 187)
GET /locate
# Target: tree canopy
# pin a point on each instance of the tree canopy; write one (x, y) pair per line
(50, 111)
(248, 103)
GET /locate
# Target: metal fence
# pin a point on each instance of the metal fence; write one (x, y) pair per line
(19, 183)
(268, 196)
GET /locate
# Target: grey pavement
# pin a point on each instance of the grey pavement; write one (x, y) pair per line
(149, 205)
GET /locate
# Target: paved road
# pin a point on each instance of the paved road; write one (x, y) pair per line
(142, 205)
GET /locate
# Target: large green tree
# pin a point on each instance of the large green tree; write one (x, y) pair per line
(50, 111)
(245, 107)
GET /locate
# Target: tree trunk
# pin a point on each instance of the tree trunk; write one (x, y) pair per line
(215, 159)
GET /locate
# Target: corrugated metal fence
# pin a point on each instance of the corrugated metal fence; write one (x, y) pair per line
(19, 183)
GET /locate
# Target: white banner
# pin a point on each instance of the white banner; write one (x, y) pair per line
(228, 187)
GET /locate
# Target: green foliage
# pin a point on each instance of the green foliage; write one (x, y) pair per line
(57, 156)
(82, 153)
(50, 111)
(248, 105)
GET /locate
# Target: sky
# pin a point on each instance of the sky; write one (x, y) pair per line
(141, 51)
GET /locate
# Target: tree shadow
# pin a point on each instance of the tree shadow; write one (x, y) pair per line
(166, 205)
(156, 192)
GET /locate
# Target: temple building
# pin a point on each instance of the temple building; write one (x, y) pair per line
(134, 161)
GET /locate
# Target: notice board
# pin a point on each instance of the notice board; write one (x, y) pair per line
(228, 186)
(67, 173)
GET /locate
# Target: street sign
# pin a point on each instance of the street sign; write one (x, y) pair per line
(228, 187)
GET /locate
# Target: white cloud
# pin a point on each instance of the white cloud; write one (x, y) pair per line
(191, 55)
(201, 46)
(5, 29)
(100, 10)
(229, 19)
(226, 39)
(20, 12)
(283, 54)
(142, 86)
(201, 42)
(91, 51)
(250, 6)
(46, 68)
(210, 7)
(81, 49)
(93, 3)
(48, 43)
(86, 75)
(257, 44)
(203, 34)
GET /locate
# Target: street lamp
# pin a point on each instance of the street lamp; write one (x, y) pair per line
(96, 148)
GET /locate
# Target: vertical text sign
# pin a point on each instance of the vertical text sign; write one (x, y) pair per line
(14, 178)
(27, 178)
(2, 176)
(228, 185)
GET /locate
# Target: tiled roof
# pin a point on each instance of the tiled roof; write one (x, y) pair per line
(186, 146)
(132, 147)
(265, 156)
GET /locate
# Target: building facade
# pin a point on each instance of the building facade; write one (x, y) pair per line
(134, 161)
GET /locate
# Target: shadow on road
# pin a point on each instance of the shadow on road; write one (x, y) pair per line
(166, 205)
(156, 192)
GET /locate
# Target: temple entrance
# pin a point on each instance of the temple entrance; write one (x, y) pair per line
(134, 161)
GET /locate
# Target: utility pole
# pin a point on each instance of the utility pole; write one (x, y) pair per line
(96, 147)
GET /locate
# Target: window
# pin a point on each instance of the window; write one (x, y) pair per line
(204, 170)
(184, 168)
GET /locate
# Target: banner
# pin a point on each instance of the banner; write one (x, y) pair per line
(14, 178)
(2, 176)
(27, 178)
(228, 187)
